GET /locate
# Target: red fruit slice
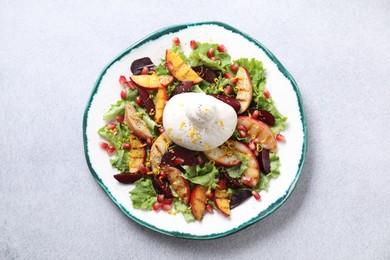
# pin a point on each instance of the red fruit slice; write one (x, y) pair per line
(251, 175)
(198, 201)
(244, 89)
(136, 123)
(158, 149)
(178, 183)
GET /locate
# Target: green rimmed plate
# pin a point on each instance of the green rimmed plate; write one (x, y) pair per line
(284, 92)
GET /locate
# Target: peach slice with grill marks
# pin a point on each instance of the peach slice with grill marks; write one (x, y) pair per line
(161, 99)
(136, 124)
(178, 183)
(152, 81)
(198, 201)
(158, 149)
(221, 157)
(137, 154)
(179, 69)
(244, 89)
(250, 176)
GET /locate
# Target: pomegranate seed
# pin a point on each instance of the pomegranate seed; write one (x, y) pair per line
(221, 48)
(169, 65)
(221, 184)
(210, 53)
(234, 67)
(209, 208)
(280, 137)
(179, 160)
(123, 94)
(126, 146)
(103, 145)
(145, 71)
(209, 194)
(111, 126)
(163, 174)
(256, 195)
(142, 168)
(138, 100)
(200, 160)
(242, 128)
(157, 206)
(227, 75)
(246, 180)
(166, 207)
(160, 198)
(255, 114)
(234, 80)
(116, 132)
(228, 89)
(120, 119)
(176, 41)
(242, 133)
(110, 150)
(193, 44)
(252, 146)
(122, 80)
(149, 141)
(161, 130)
(266, 93)
(168, 201)
(131, 85)
(256, 153)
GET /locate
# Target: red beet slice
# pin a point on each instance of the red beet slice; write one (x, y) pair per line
(161, 186)
(264, 161)
(185, 86)
(187, 157)
(229, 100)
(147, 102)
(137, 65)
(265, 116)
(127, 177)
(231, 182)
(206, 73)
(239, 198)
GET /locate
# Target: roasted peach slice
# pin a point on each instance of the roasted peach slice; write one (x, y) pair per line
(178, 183)
(221, 157)
(259, 131)
(250, 176)
(179, 69)
(152, 81)
(161, 99)
(137, 154)
(136, 124)
(198, 201)
(244, 89)
(158, 149)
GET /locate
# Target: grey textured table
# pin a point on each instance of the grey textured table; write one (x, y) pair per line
(51, 53)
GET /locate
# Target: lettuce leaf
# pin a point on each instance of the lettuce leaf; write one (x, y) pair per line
(236, 171)
(205, 175)
(180, 207)
(161, 69)
(143, 196)
(198, 57)
(119, 107)
(274, 173)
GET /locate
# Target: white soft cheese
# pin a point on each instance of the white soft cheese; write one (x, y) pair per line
(198, 122)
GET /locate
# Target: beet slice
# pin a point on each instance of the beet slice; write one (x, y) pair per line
(128, 177)
(231, 182)
(239, 198)
(265, 116)
(264, 162)
(137, 65)
(147, 102)
(161, 186)
(234, 103)
(206, 73)
(171, 157)
(185, 86)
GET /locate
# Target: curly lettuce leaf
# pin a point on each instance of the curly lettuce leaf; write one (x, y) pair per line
(143, 196)
(161, 69)
(118, 108)
(236, 171)
(199, 57)
(205, 175)
(180, 207)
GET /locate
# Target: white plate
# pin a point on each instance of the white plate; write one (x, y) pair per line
(280, 84)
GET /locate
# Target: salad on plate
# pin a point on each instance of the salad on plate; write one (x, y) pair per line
(194, 134)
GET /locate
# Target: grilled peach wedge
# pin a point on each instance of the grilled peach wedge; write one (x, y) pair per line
(136, 123)
(244, 89)
(161, 99)
(220, 157)
(178, 183)
(250, 176)
(222, 202)
(259, 131)
(158, 149)
(198, 201)
(137, 154)
(153, 81)
(179, 69)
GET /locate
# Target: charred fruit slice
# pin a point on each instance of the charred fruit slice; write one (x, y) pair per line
(179, 69)
(178, 183)
(158, 149)
(198, 201)
(136, 123)
(161, 99)
(152, 81)
(222, 201)
(137, 154)
(244, 89)
(221, 157)
(258, 131)
(250, 176)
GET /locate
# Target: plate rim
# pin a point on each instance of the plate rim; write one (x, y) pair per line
(172, 29)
